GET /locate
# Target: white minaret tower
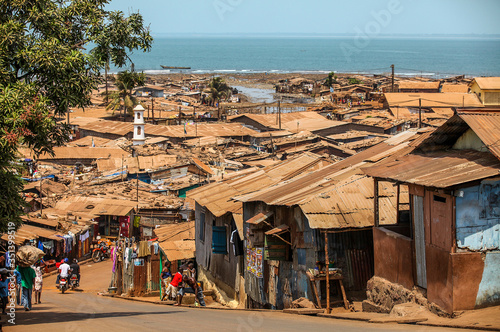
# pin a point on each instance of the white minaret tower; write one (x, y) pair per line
(139, 137)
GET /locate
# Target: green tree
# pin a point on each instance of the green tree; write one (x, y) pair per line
(45, 70)
(217, 90)
(123, 98)
(331, 79)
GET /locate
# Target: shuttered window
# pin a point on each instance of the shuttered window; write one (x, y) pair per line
(276, 249)
(219, 240)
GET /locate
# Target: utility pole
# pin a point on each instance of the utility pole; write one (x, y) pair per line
(392, 79)
(41, 203)
(279, 114)
(419, 113)
(180, 116)
(152, 110)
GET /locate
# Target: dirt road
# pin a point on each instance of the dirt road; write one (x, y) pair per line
(86, 311)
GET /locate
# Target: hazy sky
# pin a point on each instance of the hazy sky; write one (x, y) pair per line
(376, 17)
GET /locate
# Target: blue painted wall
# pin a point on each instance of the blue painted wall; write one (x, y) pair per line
(489, 288)
(478, 217)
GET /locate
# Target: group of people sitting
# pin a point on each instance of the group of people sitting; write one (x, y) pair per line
(175, 286)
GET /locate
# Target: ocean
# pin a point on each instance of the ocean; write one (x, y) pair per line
(433, 57)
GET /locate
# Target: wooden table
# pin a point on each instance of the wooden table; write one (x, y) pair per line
(332, 276)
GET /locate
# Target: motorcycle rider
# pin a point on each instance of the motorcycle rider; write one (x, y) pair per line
(75, 269)
(64, 270)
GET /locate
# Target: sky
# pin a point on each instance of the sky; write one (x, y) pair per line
(332, 17)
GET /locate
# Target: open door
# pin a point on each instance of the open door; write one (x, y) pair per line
(418, 224)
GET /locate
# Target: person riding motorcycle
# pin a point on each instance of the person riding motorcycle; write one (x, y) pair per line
(75, 269)
(64, 270)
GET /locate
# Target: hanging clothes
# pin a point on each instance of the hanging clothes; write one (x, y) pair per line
(40, 245)
(7, 259)
(84, 237)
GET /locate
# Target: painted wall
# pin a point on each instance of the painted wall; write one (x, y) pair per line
(489, 288)
(393, 257)
(478, 217)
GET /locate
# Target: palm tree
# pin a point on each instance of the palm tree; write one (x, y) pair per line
(217, 90)
(123, 99)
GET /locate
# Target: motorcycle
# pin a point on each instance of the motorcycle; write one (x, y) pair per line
(73, 282)
(100, 253)
(63, 284)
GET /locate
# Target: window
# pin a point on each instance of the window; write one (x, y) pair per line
(138, 116)
(219, 240)
(201, 235)
(139, 130)
(439, 199)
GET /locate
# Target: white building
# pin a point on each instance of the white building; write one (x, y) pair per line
(139, 137)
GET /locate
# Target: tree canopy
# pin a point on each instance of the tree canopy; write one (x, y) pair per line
(217, 90)
(51, 56)
(126, 81)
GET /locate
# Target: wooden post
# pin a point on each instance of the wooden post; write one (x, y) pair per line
(180, 116)
(375, 202)
(279, 113)
(152, 110)
(392, 79)
(419, 113)
(327, 268)
(397, 202)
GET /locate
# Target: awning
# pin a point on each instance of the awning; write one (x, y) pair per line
(258, 218)
(278, 230)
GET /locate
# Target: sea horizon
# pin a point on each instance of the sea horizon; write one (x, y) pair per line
(412, 55)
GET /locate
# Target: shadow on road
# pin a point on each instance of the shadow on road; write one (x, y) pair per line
(38, 317)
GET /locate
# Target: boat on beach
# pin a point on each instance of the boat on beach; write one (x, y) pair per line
(172, 67)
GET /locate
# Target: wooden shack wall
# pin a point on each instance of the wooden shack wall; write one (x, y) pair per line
(284, 280)
(222, 267)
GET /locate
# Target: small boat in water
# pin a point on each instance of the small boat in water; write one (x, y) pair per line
(170, 67)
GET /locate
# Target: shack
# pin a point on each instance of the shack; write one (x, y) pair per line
(450, 247)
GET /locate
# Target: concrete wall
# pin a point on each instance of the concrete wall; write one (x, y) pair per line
(478, 217)
(393, 256)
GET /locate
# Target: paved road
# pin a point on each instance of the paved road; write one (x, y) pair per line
(86, 311)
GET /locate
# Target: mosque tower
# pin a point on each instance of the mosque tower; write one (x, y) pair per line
(139, 137)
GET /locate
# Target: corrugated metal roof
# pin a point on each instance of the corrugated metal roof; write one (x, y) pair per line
(439, 169)
(432, 100)
(419, 85)
(488, 83)
(201, 165)
(76, 152)
(96, 205)
(259, 217)
(192, 130)
(487, 126)
(177, 240)
(217, 197)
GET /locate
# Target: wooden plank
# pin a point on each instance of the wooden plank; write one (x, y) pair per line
(344, 298)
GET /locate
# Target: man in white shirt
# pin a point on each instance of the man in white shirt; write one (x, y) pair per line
(64, 270)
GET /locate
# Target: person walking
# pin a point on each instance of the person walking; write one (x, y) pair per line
(38, 282)
(28, 276)
(4, 290)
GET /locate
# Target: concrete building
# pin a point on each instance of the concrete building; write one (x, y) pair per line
(487, 89)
